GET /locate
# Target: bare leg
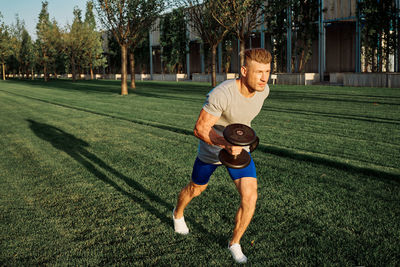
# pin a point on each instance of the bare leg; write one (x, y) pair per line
(186, 195)
(247, 188)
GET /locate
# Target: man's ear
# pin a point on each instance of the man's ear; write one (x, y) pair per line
(243, 71)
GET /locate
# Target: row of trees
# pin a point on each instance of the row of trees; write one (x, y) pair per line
(219, 21)
(127, 24)
(379, 21)
(76, 48)
(214, 21)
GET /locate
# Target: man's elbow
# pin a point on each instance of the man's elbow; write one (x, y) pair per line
(196, 132)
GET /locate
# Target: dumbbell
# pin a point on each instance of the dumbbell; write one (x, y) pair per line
(239, 135)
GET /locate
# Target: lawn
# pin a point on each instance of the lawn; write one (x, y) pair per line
(89, 177)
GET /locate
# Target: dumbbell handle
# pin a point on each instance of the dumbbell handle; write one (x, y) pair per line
(253, 146)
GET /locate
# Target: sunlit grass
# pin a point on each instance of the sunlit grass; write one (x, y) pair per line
(89, 177)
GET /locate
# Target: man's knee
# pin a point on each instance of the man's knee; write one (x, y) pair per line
(249, 197)
(248, 193)
(195, 189)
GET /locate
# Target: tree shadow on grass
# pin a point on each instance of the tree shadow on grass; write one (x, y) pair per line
(76, 149)
(114, 87)
(89, 86)
(297, 155)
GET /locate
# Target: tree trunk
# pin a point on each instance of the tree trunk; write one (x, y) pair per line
(373, 65)
(73, 69)
(242, 48)
(32, 74)
(45, 67)
(213, 66)
(380, 54)
(398, 43)
(387, 56)
(132, 65)
(91, 71)
(79, 71)
(124, 72)
(45, 72)
(4, 71)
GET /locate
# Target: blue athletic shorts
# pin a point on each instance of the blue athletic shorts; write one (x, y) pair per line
(202, 171)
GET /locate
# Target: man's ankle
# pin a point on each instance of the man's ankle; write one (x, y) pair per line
(177, 215)
(234, 242)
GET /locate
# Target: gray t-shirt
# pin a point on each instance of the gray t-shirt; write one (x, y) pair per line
(226, 101)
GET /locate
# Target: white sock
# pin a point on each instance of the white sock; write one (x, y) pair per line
(237, 254)
(180, 225)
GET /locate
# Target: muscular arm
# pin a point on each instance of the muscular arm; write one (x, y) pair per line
(204, 131)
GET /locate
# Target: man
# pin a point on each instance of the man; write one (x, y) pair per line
(233, 101)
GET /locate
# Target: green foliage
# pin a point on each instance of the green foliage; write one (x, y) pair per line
(275, 17)
(113, 53)
(227, 51)
(14, 61)
(142, 55)
(304, 15)
(304, 18)
(82, 43)
(129, 21)
(48, 41)
(27, 52)
(173, 40)
(89, 15)
(378, 35)
(94, 57)
(5, 42)
(239, 16)
(5, 47)
(204, 24)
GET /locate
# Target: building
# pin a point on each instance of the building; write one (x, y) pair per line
(337, 47)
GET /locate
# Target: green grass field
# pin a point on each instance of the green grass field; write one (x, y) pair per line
(88, 177)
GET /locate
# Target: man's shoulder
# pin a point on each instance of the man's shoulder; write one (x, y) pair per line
(224, 88)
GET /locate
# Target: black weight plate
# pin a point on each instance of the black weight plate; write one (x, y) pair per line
(255, 144)
(238, 162)
(239, 134)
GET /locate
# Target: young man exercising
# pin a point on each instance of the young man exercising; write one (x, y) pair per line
(233, 101)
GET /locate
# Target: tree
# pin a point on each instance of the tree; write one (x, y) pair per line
(378, 35)
(201, 19)
(5, 46)
(304, 15)
(89, 15)
(275, 17)
(27, 54)
(142, 55)
(74, 42)
(173, 40)
(56, 56)
(241, 16)
(16, 31)
(129, 21)
(93, 57)
(48, 41)
(42, 29)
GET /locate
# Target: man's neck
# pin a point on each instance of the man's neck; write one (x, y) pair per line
(244, 89)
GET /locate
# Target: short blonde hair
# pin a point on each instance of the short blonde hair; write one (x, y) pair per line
(259, 55)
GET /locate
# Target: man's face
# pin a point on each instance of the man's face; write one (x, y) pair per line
(256, 75)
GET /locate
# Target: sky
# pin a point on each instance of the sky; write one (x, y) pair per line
(28, 11)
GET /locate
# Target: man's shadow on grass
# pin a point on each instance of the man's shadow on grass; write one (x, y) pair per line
(76, 148)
